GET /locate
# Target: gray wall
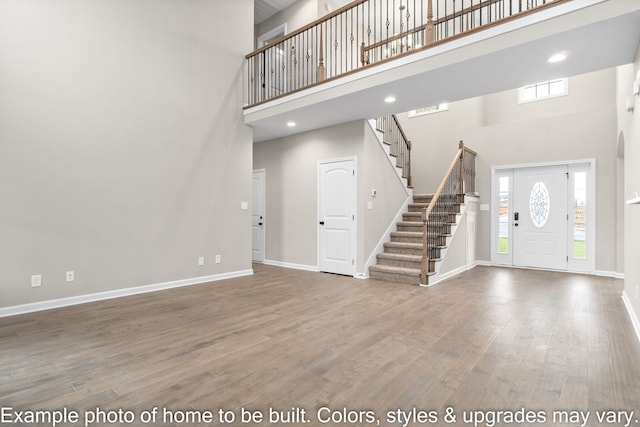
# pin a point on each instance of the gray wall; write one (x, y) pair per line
(123, 153)
(291, 166)
(581, 125)
(629, 125)
(295, 16)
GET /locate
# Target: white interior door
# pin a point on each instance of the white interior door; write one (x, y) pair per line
(540, 220)
(337, 213)
(257, 216)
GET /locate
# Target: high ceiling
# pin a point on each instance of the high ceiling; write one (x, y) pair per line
(265, 9)
(597, 34)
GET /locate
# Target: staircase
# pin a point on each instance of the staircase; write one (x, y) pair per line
(402, 258)
(415, 250)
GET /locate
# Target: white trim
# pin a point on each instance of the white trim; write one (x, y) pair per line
(117, 293)
(543, 164)
(449, 274)
(354, 252)
(263, 171)
(292, 266)
(599, 273)
(591, 210)
(632, 314)
(279, 30)
(604, 273)
(386, 237)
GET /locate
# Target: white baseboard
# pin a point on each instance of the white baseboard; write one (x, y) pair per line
(613, 274)
(440, 277)
(292, 265)
(386, 237)
(632, 314)
(118, 293)
(600, 273)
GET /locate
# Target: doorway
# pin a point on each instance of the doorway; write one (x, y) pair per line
(272, 64)
(337, 216)
(543, 216)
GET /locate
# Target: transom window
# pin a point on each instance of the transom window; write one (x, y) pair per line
(429, 110)
(543, 90)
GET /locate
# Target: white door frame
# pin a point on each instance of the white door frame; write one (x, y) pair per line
(264, 214)
(583, 266)
(354, 246)
(264, 39)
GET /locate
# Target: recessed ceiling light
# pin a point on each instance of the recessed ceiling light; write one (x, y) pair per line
(557, 57)
(390, 99)
(291, 124)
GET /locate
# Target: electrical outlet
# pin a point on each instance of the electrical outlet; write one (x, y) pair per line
(201, 260)
(36, 280)
(71, 276)
(218, 259)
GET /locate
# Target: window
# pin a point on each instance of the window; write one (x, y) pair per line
(539, 204)
(579, 214)
(543, 90)
(429, 110)
(503, 215)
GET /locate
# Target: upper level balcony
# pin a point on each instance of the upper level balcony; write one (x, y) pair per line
(424, 52)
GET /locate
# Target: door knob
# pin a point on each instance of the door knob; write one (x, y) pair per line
(259, 223)
(321, 222)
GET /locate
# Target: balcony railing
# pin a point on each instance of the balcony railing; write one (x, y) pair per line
(365, 33)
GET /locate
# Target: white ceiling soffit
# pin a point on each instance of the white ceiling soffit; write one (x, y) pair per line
(265, 9)
(596, 34)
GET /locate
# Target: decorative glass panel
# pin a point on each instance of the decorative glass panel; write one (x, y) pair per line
(539, 204)
(579, 214)
(503, 216)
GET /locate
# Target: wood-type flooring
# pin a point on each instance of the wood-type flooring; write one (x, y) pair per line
(488, 346)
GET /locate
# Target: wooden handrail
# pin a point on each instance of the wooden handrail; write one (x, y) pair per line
(406, 140)
(399, 144)
(436, 195)
(452, 181)
(357, 36)
(318, 21)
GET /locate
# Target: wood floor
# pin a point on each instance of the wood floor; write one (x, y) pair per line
(489, 339)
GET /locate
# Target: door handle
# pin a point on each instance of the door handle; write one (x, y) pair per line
(259, 223)
(515, 216)
(321, 222)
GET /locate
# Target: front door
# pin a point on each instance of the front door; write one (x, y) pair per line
(539, 219)
(336, 217)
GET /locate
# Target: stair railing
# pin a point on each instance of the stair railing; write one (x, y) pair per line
(364, 33)
(438, 216)
(399, 144)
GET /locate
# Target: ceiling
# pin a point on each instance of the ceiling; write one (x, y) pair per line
(265, 9)
(597, 35)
